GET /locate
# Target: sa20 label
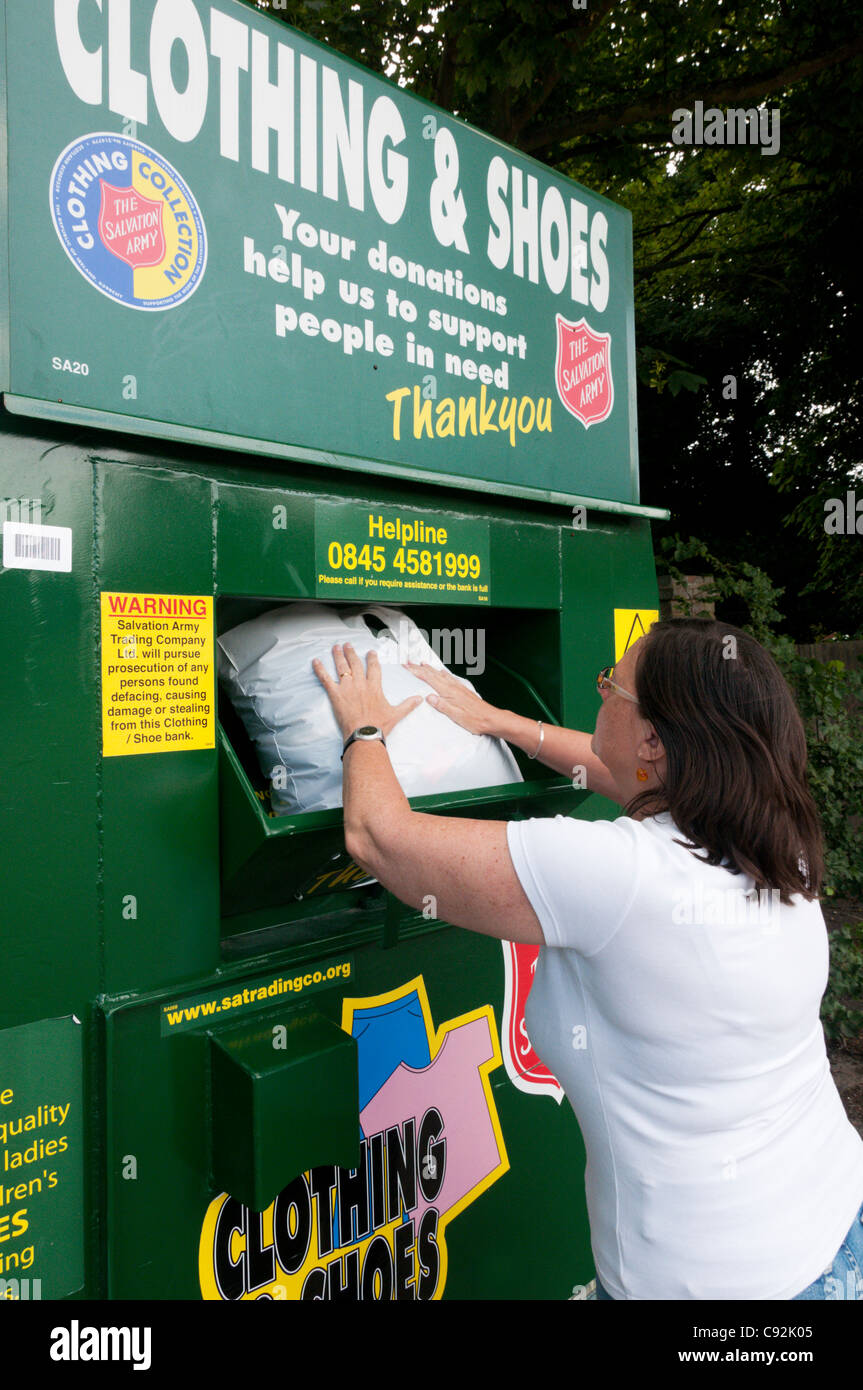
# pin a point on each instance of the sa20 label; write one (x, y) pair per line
(65, 364)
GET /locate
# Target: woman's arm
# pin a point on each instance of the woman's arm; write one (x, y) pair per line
(566, 750)
(461, 869)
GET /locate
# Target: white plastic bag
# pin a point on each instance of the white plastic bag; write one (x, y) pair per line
(266, 667)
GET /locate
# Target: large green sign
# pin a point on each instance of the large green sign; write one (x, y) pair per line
(219, 229)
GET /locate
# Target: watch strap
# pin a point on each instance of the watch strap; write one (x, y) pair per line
(358, 737)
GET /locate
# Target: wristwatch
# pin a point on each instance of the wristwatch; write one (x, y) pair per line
(368, 733)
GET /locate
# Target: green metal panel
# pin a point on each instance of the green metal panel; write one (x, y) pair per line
(522, 1236)
(49, 836)
(4, 214)
(179, 888)
(55, 412)
(264, 1076)
(609, 565)
(51, 745)
(265, 539)
(159, 815)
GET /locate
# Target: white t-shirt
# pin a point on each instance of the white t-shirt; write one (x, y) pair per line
(683, 1023)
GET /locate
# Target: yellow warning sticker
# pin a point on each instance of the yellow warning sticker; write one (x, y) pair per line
(629, 625)
(157, 673)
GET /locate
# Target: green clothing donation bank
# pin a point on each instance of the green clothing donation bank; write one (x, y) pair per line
(274, 330)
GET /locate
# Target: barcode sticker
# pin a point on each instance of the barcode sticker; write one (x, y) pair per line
(30, 547)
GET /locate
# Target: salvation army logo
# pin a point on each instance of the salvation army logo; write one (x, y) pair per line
(128, 221)
(131, 226)
(583, 371)
(524, 1068)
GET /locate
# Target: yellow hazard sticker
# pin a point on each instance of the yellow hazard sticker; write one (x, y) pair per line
(158, 691)
(629, 625)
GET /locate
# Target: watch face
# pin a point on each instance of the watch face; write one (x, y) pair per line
(367, 730)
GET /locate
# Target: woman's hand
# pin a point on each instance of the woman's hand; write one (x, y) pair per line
(452, 698)
(357, 697)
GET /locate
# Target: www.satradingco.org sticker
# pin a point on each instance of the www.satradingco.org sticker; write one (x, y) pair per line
(179, 1017)
(128, 221)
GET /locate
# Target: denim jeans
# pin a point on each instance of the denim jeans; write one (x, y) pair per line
(841, 1280)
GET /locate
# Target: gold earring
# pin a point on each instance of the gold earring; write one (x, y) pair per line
(641, 774)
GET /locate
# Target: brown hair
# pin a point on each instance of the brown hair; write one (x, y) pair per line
(735, 753)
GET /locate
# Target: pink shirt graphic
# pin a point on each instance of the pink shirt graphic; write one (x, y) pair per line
(452, 1083)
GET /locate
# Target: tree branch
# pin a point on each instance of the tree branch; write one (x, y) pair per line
(445, 84)
(527, 113)
(728, 254)
(758, 85)
(684, 217)
(586, 31)
(574, 43)
(682, 243)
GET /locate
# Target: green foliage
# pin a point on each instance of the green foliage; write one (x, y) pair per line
(837, 573)
(829, 696)
(845, 984)
(658, 369)
(744, 581)
(830, 699)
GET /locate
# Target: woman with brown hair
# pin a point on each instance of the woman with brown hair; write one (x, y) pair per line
(684, 957)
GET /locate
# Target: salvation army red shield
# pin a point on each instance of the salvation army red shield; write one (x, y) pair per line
(583, 371)
(523, 1067)
(131, 227)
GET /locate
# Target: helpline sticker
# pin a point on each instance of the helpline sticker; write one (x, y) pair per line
(386, 553)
